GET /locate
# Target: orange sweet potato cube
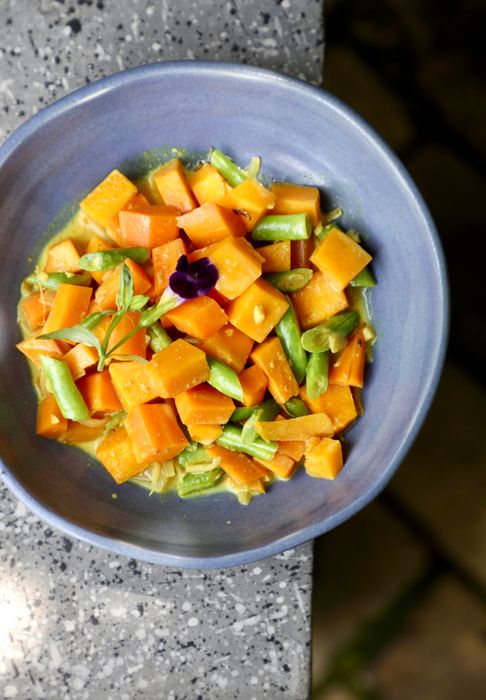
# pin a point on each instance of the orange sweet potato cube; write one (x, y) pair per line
(108, 198)
(337, 402)
(154, 433)
(207, 184)
(133, 383)
(317, 301)
(340, 258)
(116, 454)
(206, 434)
(277, 257)
(281, 464)
(257, 310)
(204, 405)
(210, 223)
(238, 466)
(34, 347)
(164, 258)
(297, 199)
(63, 257)
(35, 308)
(79, 358)
(271, 359)
(105, 295)
(251, 199)
(70, 306)
(238, 264)
(99, 394)
(50, 421)
(178, 367)
(148, 225)
(95, 245)
(254, 383)
(323, 458)
(171, 184)
(229, 345)
(201, 317)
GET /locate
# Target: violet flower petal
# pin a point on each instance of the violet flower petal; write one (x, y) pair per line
(194, 279)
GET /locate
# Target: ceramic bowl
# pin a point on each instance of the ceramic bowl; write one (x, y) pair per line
(302, 134)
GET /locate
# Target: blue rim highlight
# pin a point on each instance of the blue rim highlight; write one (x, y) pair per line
(92, 91)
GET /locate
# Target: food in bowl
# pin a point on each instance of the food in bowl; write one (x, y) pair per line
(200, 331)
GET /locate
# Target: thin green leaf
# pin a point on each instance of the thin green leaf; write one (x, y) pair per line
(108, 259)
(138, 302)
(93, 320)
(77, 334)
(130, 358)
(125, 293)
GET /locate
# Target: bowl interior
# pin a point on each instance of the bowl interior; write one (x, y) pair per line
(302, 134)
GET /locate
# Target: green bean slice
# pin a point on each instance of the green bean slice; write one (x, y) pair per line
(107, 259)
(290, 281)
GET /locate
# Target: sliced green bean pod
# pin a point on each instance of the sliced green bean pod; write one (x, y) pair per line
(54, 279)
(268, 411)
(364, 278)
(283, 227)
(193, 454)
(67, 395)
(296, 407)
(224, 379)
(288, 331)
(193, 484)
(231, 439)
(317, 374)
(290, 281)
(242, 413)
(330, 335)
(159, 339)
(108, 259)
(227, 168)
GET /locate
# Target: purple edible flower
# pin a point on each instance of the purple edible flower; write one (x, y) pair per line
(193, 279)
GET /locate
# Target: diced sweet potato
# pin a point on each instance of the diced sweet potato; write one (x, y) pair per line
(337, 402)
(271, 359)
(323, 458)
(170, 182)
(205, 434)
(317, 301)
(154, 433)
(164, 258)
(210, 223)
(207, 184)
(178, 367)
(116, 454)
(50, 421)
(79, 358)
(348, 368)
(35, 308)
(297, 199)
(340, 258)
(105, 295)
(251, 199)
(108, 197)
(69, 308)
(238, 264)
(229, 345)
(204, 405)
(282, 465)
(239, 467)
(148, 225)
(257, 310)
(277, 257)
(99, 394)
(254, 383)
(133, 383)
(200, 318)
(63, 257)
(300, 428)
(33, 347)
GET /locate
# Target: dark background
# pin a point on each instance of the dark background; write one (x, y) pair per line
(400, 590)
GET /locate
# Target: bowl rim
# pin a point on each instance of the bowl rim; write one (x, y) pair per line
(296, 85)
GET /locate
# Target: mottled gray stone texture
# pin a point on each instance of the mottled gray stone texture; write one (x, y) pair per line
(75, 621)
(51, 47)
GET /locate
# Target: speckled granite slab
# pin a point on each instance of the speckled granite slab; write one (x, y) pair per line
(76, 622)
(50, 47)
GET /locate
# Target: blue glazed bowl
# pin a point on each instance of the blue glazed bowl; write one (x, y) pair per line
(303, 134)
